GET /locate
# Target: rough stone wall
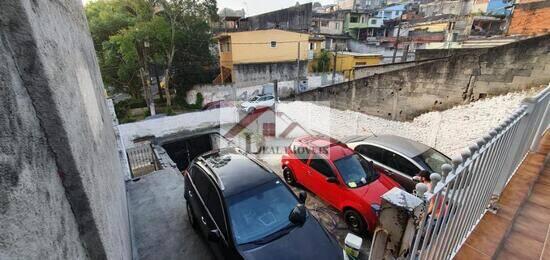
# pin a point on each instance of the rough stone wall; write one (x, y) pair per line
(466, 75)
(258, 73)
(369, 70)
(295, 18)
(62, 193)
(530, 18)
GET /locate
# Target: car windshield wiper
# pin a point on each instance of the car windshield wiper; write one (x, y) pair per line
(275, 235)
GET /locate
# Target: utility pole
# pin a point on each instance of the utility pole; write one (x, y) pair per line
(397, 39)
(298, 60)
(334, 64)
(276, 92)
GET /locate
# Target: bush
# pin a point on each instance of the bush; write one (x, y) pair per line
(136, 103)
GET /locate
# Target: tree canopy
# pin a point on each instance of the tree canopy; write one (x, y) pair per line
(133, 36)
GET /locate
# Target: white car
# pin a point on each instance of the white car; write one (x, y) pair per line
(258, 102)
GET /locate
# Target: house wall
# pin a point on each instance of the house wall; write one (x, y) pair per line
(62, 192)
(480, 6)
(257, 73)
(295, 18)
(335, 27)
(345, 63)
(443, 83)
(530, 18)
(440, 8)
(255, 46)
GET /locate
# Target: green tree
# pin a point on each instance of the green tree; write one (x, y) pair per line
(323, 62)
(129, 35)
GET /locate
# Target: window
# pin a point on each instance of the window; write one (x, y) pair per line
(312, 46)
(399, 163)
(320, 165)
(373, 21)
(434, 160)
(207, 191)
(356, 171)
(273, 44)
(214, 205)
(202, 182)
(260, 211)
(373, 152)
(301, 152)
(324, 23)
(337, 25)
(362, 19)
(360, 63)
(353, 19)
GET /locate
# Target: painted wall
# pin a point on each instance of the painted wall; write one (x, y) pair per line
(62, 193)
(255, 46)
(346, 62)
(530, 18)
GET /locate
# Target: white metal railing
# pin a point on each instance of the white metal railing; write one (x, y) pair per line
(464, 191)
(141, 159)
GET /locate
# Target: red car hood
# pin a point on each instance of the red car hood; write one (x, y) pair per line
(374, 190)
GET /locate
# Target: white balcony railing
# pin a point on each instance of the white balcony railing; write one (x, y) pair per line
(467, 188)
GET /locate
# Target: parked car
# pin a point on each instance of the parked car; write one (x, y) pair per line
(400, 158)
(340, 177)
(245, 211)
(258, 102)
(217, 104)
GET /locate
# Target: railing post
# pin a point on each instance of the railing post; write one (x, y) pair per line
(399, 220)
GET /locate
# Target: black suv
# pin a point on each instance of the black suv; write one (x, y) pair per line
(245, 211)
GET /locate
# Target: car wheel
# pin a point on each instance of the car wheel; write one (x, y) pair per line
(191, 216)
(355, 221)
(250, 110)
(290, 179)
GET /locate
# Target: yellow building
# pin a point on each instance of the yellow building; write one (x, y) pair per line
(345, 61)
(265, 47)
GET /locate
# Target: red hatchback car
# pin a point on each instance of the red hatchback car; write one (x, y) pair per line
(339, 176)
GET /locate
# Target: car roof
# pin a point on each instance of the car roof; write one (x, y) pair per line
(234, 171)
(399, 144)
(336, 149)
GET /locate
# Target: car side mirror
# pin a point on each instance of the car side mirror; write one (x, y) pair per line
(298, 215)
(332, 179)
(214, 235)
(302, 196)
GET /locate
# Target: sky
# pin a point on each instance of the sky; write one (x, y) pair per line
(253, 7)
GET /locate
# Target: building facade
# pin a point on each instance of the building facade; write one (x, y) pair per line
(530, 18)
(264, 55)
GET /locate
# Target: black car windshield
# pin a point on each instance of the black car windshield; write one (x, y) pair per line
(356, 171)
(261, 211)
(434, 160)
(254, 98)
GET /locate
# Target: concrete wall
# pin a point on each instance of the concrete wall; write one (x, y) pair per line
(62, 193)
(258, 73)
(295, 18)
(365, 71)
(440, 84)
(236, 92)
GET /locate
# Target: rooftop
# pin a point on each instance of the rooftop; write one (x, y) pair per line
(236, 171)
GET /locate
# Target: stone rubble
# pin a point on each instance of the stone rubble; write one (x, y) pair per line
(449, 131)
